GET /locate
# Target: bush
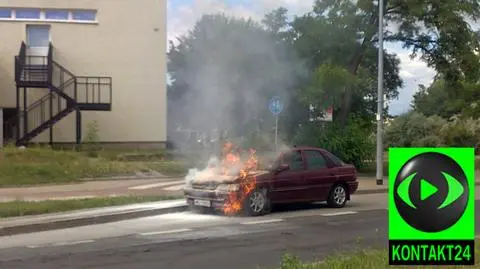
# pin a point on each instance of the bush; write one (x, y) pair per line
(352, 143)
(414, 130)
(91, 139)
(461, 132)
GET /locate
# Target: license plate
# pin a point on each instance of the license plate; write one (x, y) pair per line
(202, 203)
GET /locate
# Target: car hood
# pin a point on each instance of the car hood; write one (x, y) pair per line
(226, 179)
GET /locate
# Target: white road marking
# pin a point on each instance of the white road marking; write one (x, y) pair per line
(73, 243)
(262, 221)
(156, 185)
(175, 188)
(166, 232)
(338, 213)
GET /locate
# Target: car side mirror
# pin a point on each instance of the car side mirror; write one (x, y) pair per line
(282, 167)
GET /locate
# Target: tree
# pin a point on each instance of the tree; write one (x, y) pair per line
(437, 31)
(440, 99)
(332, 73)
(414, 129)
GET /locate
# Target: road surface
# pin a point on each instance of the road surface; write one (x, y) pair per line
(188, 240)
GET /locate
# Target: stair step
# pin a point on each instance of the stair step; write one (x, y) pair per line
(45, 125)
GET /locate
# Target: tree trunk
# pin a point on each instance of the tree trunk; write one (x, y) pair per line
(353, 68)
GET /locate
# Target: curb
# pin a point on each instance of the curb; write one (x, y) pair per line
(89, 220)
(128, 178)
(371, 191)
(385, 190)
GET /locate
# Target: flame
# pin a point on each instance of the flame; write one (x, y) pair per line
(247, 182)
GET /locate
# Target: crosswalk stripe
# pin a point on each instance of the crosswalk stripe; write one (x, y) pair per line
(338, 213)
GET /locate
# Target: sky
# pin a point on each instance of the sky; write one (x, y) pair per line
(182, 15)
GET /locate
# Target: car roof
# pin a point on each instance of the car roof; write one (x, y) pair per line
(307, 148)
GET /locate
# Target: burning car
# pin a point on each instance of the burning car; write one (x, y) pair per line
(301, 174)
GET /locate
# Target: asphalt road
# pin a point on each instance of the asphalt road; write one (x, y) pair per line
(187, 240)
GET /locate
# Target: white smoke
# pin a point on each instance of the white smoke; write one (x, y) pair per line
(229, 72)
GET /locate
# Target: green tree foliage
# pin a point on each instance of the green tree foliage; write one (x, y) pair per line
(353, 143)
(461, 132)
(438, 32)
(446, 100)
(414, 129)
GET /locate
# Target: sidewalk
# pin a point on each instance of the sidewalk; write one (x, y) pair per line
(368, 185)
(91, 189)
(45, 222)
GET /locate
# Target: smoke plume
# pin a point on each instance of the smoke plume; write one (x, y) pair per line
(224, 73)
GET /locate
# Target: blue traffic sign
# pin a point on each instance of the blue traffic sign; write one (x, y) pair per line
(275, 105)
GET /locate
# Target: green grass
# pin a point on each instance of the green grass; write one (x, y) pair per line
(45, 166)
(24, 208)
(360, 259)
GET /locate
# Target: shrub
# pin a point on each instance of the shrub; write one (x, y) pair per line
(352, 143)
(91, 139)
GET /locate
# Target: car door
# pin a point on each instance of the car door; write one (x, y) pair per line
(319, 175)
(289, 185)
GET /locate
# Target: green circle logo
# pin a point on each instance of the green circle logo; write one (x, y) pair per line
(431, 192)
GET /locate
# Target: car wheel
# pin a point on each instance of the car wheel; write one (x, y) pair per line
(257, 203)
(338, 196)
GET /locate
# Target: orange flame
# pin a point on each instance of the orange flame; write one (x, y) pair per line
(234, 203)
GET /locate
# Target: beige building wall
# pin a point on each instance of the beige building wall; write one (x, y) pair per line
(128, 44)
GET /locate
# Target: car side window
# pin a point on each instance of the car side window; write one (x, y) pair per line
(315, 160)
(334, 159)
(294, 160)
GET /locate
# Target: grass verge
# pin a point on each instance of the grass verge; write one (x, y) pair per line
(360, 259)
(25, 208)
(33, 166)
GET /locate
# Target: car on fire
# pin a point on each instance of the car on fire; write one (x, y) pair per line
(302, 174)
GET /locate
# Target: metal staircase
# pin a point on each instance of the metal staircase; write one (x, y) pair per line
(66, 93)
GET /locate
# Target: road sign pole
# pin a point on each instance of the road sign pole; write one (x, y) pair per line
(276, 107)
(276, 131)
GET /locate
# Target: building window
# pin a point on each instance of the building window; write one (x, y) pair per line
(24, 13)
(56, 15)
(48, 15)
(38, 36)
(5, 13)
(83, 15)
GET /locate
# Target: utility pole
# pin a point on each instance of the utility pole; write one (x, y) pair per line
(380, 96)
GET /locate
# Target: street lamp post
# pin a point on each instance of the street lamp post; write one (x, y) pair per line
(380, 96)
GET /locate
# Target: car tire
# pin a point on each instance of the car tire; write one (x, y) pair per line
(337, 197)
(257, 203)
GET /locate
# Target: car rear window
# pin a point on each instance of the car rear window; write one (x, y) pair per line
(334, 159)
(315, 160)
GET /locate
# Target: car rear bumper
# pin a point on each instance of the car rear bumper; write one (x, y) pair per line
(216, 200)
(352, 186)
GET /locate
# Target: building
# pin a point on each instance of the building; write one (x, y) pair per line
(65, 64)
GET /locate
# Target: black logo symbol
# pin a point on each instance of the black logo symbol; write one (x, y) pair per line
(431, 192)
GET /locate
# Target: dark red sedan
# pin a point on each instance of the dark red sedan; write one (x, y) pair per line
(298, 175)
